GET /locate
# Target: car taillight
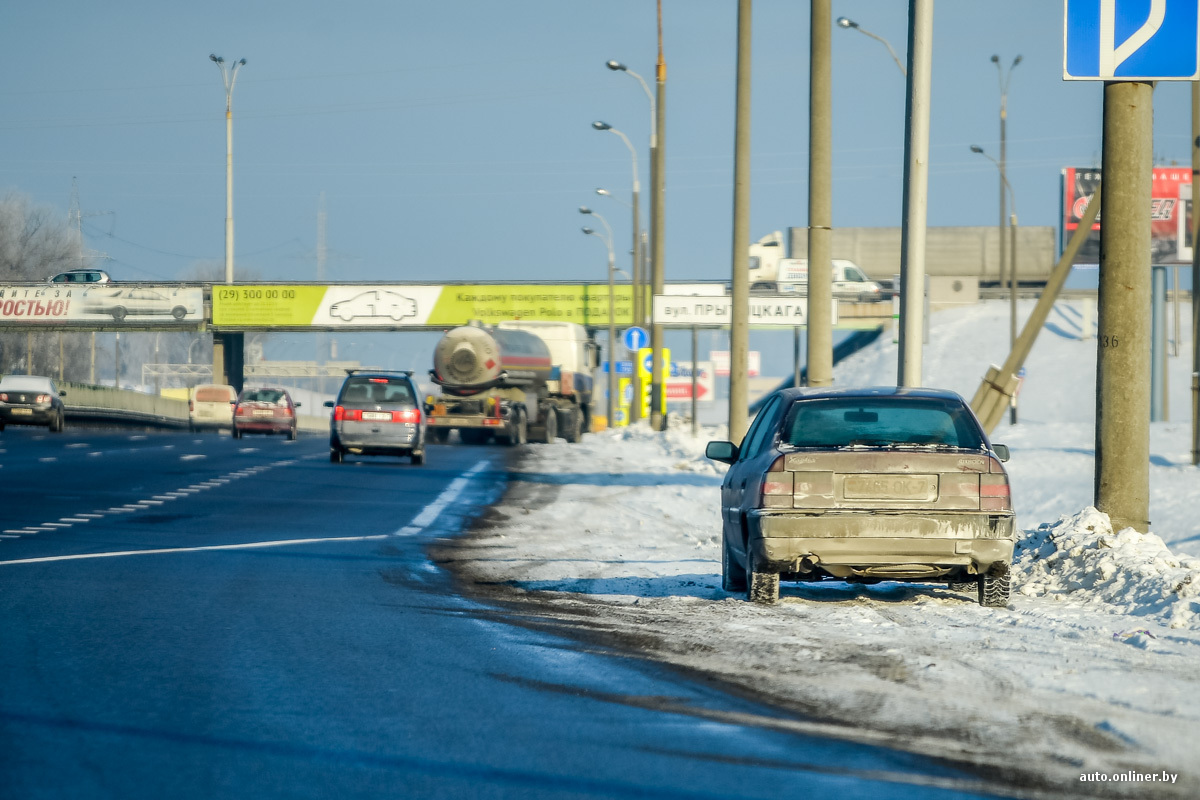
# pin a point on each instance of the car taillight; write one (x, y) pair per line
(242, 411)
(339, 413)
(43, 398)
(286, 411)
(4, 397)
(994, 493)
(407, 415)
(777, 481)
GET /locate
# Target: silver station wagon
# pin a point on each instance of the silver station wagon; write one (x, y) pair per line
(377, 414)
(865, 485)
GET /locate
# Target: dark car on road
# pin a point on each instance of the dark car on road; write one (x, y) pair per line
(31, 400)
(865, 485)
(377, 414)
(265, 411)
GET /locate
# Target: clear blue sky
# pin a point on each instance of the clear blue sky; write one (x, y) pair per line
(453, 139)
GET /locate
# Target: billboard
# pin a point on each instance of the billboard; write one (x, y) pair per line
(1169, 212)
(107, 304)
(398, 306)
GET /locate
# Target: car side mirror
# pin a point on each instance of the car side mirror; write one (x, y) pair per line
(62, 392)
(1001, 451)
(328, 404)
(297, 405)
(726, 452)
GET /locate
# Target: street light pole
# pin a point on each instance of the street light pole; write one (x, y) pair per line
(229, 76)
(1004, 81)
(1012, 263)
(850, 24)
(612, 328)
(657, 188)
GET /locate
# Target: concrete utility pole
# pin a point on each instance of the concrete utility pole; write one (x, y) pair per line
(1122, 486)
(229, 76)
(820, 195)
(916, 191)
(657, 185)
(1195, 272)
(739, 328)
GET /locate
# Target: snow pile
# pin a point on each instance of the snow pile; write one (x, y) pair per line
(1080, 558)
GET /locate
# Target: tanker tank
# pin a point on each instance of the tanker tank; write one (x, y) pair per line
(472, 358)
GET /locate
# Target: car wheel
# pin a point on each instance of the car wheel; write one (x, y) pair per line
(335, 455)
(178, 312)
(57, 424)
(236, 433)
(292, 434)
(733, 577)
(118, 313)
(994, 587)
(418, 457)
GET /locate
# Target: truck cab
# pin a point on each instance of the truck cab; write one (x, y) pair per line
(771, 272)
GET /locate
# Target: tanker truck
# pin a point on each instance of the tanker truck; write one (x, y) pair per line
(517, 381)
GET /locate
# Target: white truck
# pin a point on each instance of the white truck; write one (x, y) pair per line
(519, 380)
(772, 273)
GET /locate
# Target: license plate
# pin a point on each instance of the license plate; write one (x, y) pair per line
(23, 411)
(377, 416)
(890, 487)
(263, 412)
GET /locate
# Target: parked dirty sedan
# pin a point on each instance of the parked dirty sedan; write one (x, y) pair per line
(865, 485)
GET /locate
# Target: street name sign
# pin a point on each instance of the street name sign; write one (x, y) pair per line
(1131, 40)
(717, 311)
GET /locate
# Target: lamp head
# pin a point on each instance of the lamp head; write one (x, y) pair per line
(216, 58)
(603, 192)
(242, 62)
(976, 149)
(588, 231)
(601, 126)
(843, 22)
(584, 210)
(1016, 60)
(996, 60)
(615, 66)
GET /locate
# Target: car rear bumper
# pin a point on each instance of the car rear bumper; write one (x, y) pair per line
(263, 426)
(376, 439)
(16, 415)
(881, 545)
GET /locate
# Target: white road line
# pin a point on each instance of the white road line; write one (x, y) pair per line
(48, 460)
(53, 525)
(161, 497)
(74, 519)
(7, 535)
(431, 512)
(166, 550)
(151, 502)
(92, 516)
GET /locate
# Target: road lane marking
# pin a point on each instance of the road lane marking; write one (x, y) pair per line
(53, 525)
(206, 548)
(73, 519)
(432, 511)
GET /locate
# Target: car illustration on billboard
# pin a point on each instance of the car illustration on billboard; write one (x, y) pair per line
(134, 302)
(374, 304)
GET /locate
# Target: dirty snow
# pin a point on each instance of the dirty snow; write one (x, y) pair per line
(1094, 666)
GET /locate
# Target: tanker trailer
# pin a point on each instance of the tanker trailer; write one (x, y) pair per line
(494, 383)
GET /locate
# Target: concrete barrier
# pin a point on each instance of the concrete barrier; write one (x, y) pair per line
(108, 404)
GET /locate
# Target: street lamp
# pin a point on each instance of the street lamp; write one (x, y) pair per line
(604, 126)
(1012, 265)
(229, 76)
(612, 326)
(849, 24)
(607, 193)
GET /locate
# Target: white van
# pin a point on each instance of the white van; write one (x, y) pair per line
(210, 405)
(849, 281)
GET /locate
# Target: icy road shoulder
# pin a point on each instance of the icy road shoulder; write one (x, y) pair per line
(1083, 672)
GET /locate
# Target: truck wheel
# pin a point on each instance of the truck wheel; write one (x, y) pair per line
(572, 427)
(733, 577)
(440, 435)
(550, 431)
(520, 432)
(994, 587)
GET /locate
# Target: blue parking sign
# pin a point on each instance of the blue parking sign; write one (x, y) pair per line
(1132, 40)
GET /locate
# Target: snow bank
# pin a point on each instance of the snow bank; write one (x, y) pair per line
(1080, 558)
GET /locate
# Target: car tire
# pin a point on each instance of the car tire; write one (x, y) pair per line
(418, 457)
(994, 587)
(550, 430)
(178, 312)
(58, 424)
(733, 577)
(118, 313)
(440, 435)
(292, 434)
(761, 587)
(335, 454)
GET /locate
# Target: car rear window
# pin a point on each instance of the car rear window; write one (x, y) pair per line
(377, 390)
(212, 394)
(262, 396)
(842, 422)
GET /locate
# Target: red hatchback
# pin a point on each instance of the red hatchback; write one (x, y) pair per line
(264, 411)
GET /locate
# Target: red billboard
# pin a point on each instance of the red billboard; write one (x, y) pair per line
(1170, 210)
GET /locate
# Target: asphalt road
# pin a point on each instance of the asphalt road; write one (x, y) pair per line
(187, 615)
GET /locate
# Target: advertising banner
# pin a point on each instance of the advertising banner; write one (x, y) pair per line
(109, 304)
(394, 306)
(1170, 210)
(679, 383)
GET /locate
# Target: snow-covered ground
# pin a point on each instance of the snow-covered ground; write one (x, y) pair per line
(1093, 667)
